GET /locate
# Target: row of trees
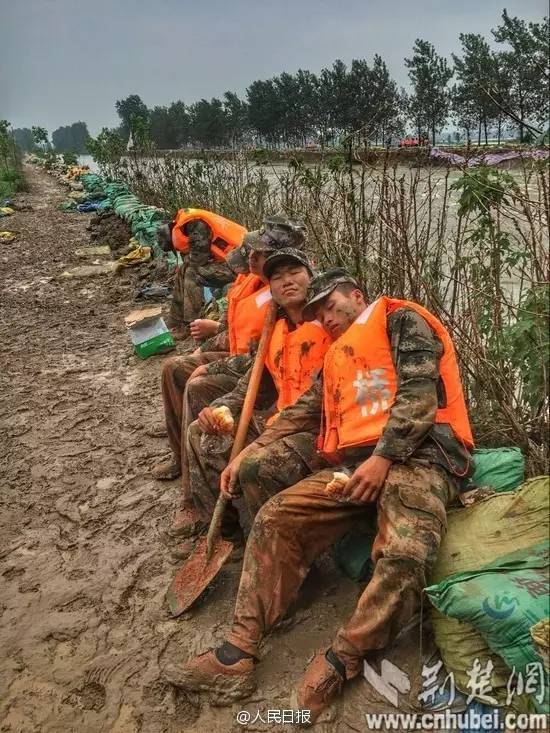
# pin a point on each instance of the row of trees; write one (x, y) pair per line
(71, 138)
(481, 92)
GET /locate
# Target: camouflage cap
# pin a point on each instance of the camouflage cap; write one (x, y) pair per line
(278, 231)
(288, 254)
(322, 285)
(237, 259)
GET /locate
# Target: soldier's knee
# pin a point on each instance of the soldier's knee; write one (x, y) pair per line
(270, 516)
(168, 367)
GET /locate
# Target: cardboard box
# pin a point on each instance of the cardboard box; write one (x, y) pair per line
(148, 332)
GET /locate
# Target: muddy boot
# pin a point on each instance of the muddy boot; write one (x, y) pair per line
(166, 470)
(186, 522)
(157, 431)
(224, 683)
(321, 684)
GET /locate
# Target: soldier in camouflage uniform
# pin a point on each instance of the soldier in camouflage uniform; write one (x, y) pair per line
(405, 481)
(208, 452)
(213, 371)
(198, 270)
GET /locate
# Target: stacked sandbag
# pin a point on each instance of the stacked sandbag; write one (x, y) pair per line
(489, 590)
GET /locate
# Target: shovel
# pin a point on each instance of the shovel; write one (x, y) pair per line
(212, 551)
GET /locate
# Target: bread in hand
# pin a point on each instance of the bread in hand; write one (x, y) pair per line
(224, 419)
(339, 480)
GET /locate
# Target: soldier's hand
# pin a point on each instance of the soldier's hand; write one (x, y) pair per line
(229, 478)
(202, 328)
(198, 372)
(207, 422)
(367, 481)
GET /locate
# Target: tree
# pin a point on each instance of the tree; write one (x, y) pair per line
(208, 122)
(265, 110)
(40, 137)
(429, 101)
(386, 102)
(132, 107)
(527, 69)
(476, 72)
(236, 117)
(23, 138)
(72, 138)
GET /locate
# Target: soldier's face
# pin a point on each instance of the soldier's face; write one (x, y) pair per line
(339, 310)
(256, 261)
(288, 284)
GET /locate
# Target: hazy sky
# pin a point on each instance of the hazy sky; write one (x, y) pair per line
(68, 60)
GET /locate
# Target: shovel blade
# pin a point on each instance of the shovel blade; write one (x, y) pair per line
(196, 574)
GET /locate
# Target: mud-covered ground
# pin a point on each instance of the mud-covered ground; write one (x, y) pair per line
(84, 559)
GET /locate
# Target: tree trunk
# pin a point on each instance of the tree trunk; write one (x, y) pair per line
(499, 128)
(485, 128)
(479, 132)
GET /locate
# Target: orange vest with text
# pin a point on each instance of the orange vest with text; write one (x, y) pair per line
(294, 359)
(226, 234)
(360, 380)
(247, 304)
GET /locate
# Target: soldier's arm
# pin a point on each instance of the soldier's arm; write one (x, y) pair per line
(220, 340)
(415, 352)
(235, 366)
(267, 393)
(304, 416)
(214, 274)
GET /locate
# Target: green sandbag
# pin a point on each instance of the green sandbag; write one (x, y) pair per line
(503, 469)
(503, 601)
(478, 535)
(67, 206)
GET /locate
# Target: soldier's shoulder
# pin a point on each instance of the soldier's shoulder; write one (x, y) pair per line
(410, 327)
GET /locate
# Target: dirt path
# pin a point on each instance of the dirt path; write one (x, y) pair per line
(84, 561)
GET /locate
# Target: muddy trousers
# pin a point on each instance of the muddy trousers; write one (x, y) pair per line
(187, 298)
(260, 477)
(297, 525)
(183, 401)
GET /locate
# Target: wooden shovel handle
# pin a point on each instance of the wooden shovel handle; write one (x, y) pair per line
(244, 421)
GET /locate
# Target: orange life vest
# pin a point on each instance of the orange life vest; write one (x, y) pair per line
(360, 380)
(294, 359)
(247, 304)
(226, 234)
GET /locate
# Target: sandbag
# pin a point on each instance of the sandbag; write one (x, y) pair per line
(503, 600)
(503, 469)
(476, 536)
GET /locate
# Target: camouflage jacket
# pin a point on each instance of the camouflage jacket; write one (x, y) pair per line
(209, 272)
(411, 431)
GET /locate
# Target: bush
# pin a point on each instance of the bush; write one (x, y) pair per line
(474, 252)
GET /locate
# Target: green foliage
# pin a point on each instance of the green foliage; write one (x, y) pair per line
(483, 188)
(70, 158)
(12, 179)
(528, 346)
(107, 150)
(40, 137)
(430, 99)
(71, 138)
(128, 108)
(23, 138)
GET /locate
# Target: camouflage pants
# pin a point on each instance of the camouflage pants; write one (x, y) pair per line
(260, 476)
(183, 401)
(187, 290)
(297, 525)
